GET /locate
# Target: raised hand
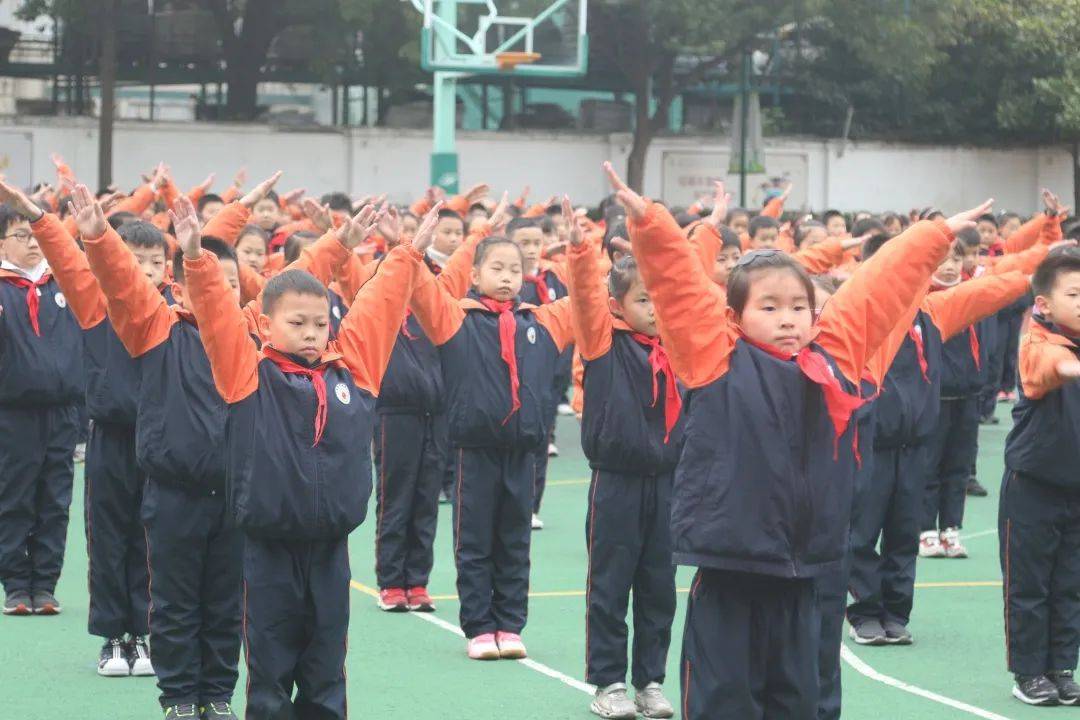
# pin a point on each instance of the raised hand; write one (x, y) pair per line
(426, 232)
(390, 227)
(89, 217)
(160, 177)
(205, 184)
(108, 202)
(292, 196)
(573, 230)
(356, 229)
(787, 191)
(635, 204)
(1051, 202)
(318, 214)
(967, 219)
(500, 216)
(186, 226)
(240, 178)
(12, 196)
(721, 200)
(520, 202)
(259, 191)
(477, 193)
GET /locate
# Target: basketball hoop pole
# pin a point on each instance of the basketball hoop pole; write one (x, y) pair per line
(444, 157)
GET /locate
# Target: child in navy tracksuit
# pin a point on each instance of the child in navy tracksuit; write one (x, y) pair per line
(757, 523)
(498, 357)
(1039, 513)
(631, 435)
(41, 381)
(301, 416)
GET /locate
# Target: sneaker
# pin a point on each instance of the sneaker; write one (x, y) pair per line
(950, 541)
(975, 488)
(18, 603)
(483, 647)
(868, 632)
(419, 600)
(217, 711)
(176, 712)
(1011, 397)
(45, 603)
(537, 523)
(612, 702)
(565, 409)
(651, 703)
(930, 545)
(1003, 396)
(113, 661)
(553, 450)
(510, 646)
(393, 600)
(1035, 690)
(896, 634)
(1068, 689)
(138, 655)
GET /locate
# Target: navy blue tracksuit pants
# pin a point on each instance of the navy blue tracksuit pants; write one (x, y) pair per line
(750, 648)
(1039, 536)
(410, 461)
(492, 531)
(888, 506)
(830, 590)
(296, 622)
(560, 383)
(952, 454)
(628, 536)
(36, 475)
(195, 590)
(115, 541)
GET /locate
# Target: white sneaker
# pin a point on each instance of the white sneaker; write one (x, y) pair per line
(612, 702)
(139, 658)
(537, 523)
(553, 451)
(651, 703)
(565, 409)
(950, 542)
(930, 545)
(113, 661)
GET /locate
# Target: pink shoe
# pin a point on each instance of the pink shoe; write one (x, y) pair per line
(510, 646)
(483, 647)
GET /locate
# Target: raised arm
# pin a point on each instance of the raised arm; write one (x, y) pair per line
(1026, 235)
(557, 319)
(1047, 362)
(821, 258)
(588, 298)
(957, 308)
(228, 223)
(137, 202)
(437, 311)
(455, 276)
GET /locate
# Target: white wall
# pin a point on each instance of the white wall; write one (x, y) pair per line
(873, 176)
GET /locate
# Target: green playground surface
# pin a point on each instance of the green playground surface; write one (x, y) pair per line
(414, 666)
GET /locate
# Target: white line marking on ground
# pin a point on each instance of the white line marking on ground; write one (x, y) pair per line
(981, 533)
(863, 669)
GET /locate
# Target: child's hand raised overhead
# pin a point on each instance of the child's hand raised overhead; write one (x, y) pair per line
(721, 200)
(240, 178)
(477, 193)
(160, 177)
(1053, 204)
(520, 202)
(186, 225)
(23, 205)
(259, 191)
(390, 226)
(499, 216)
(426, 232)
(573, 229)
(967, 219)
(291, 197)
(318, 214)
(89, 217)
(356, 229)
(635, 204)
(205, 184)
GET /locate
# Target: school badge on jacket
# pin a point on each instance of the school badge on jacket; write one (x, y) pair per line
(342, 392)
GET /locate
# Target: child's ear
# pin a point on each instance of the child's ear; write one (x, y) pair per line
(732, 318)
(264, 325)
(474, 275)
(178, 293)
(1041, 305)
(614, 307)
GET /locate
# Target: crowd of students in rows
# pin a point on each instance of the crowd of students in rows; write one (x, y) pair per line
(786, 404)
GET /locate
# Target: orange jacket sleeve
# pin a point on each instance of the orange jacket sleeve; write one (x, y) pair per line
(303, 225)
(1040, 354)
(437, 311)
(228, 223)
(231, 193)
(957, 308)
(1026, 235)
(455, 277)
(352, 276)
(71, 227)
(690, 308)
(323, 258)
(370, 328)
(589, 303)
(420, 207)
(139, 314)
(459, 204)
(859, 317)
(1025, 261)
(879, 363)
(72, 272)
(534, 211)
(137, 202)
(170, 194)
(774, 208)
(577, 400)
(706, 242)
(195, 194)
(821, 258)
(223, 329)
(251, 284)
(557, 319)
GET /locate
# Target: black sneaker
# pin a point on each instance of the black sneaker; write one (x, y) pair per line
(990, 420)
(186, 711)
(218, 711)
(1035, 690)
(45, 603)
(975, 488)
(897, 634)
(113, 661)
(18, 603)
(1068, 689)
(868, 632)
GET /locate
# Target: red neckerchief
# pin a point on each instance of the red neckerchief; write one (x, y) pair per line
(541, 287)
(507, 331)
(920, 351)
(973, 336)
(996, 249)
(33, 302)
(318, 381)
(659, 363)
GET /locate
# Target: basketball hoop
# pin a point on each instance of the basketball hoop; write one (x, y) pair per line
(510, 60)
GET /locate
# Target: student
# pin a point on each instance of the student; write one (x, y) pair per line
(252, 247)
(810, 233)
(117, 574)
(498, 358)
(835, 223)
(41, 381)
(209, 206)
(449, 233)
(1039, 515)
(300, 417)
(764, 232)
(760, 525)
(266, 213)
(632, 436)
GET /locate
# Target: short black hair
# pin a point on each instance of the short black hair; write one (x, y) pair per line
(729, 238)
(141, 234)
(1060, 261)
(487, 244)
(732, 212)
(615, 229)
(684, 218)
(1005, 216)
(116, 220)
(8, 217)
(337, 201)
(742, 275)
(761, 222)
(254, 230)
(210, 244)
(968, 237)
(296, 244)
(296, 281)
(623, 275)
(872, 245)
(479, 207)
(547, 225)
(830, 214)
(271, 195)
(448, 213)
(803, 229)
(987, 217)
(867, 226)
(208, 198)
(522, 223)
